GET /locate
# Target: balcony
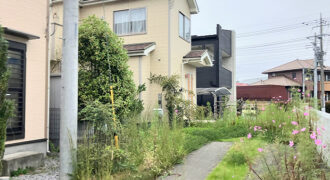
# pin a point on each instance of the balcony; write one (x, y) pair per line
(225, 78)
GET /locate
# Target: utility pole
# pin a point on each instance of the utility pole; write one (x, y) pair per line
(315, 70)
(322, 66)
(69, 91)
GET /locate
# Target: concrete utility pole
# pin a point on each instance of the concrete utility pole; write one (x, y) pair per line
(69, 93)
(322, 66)
(315, 71)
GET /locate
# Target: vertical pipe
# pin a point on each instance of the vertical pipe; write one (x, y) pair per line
(303, 82)
(69, 106)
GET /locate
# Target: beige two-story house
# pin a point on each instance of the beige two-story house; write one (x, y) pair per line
(157, 37)
(25, 25)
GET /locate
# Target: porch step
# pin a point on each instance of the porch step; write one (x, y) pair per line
(22, 160)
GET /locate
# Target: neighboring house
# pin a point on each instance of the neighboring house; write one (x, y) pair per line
(156, 35)
(219, 79)
(276, 88)
(25, 26)
(301, 72)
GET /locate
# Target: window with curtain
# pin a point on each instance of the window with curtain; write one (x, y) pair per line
(132, 21)
(184, 27)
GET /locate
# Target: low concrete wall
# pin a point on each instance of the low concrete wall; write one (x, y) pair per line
(324, 122)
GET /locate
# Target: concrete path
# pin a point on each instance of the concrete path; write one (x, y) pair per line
(198, 164)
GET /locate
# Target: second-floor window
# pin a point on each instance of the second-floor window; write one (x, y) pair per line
(132, 21)
(294, 75)
(184, 27)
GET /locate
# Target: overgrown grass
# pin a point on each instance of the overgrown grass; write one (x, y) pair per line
(235, 163)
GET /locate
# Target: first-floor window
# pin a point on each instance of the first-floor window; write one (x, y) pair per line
(16, 89)
(131, 21)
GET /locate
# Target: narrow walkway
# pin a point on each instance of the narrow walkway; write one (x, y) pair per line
(198, 164)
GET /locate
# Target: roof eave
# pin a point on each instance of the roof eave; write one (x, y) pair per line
(20, 34)
(193, 6)
(144, 52)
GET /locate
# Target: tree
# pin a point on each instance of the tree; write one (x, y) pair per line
(170, 85)
(103, 62)
(6, 106)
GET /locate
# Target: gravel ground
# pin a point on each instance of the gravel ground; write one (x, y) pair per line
(49, 172)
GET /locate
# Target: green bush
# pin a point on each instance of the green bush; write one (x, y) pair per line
(103, 62)
(6, 107)
(236, 158)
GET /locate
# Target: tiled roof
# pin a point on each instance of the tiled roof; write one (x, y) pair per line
(278, 80)
(195, 54)
(138, 46)
(294, 65)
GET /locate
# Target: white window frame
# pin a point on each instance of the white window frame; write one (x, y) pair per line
(184, 27)
(130, 21)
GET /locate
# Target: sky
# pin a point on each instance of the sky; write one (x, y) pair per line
(269, 32)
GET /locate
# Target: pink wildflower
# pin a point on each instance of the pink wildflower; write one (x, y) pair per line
(306, 114)
(294, 123)
(291, 143)
(313, 135)
(260, 149)
(273, 121)
(294, 157)
(262, 109)
(308, 95)
(249, 136)
(299, 90)
(318, 142)
(294, 132)
(303, 129)
(318, 131)
(323, 128)
(324, 146)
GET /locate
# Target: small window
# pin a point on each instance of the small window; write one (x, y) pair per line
(128, 22)
(16, 89)
(273, 74)
(184, 27)
(294, 75)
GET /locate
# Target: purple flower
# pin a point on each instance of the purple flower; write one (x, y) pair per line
(303, 129)
(294, 132)
(249, 136)
(294, 123)
(291, 143)
(260, 149)
(313, 135)
(306, 114)
(318, 142)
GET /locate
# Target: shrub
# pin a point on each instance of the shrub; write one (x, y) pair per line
(236, 158)
(103, 62)
(6, 107)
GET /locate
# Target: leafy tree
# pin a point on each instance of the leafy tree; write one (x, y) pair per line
(6, 107)
(103, 62)
(170, 85)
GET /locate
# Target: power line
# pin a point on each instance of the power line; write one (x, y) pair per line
(273, 43)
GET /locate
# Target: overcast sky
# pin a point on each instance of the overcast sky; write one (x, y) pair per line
(269, 32)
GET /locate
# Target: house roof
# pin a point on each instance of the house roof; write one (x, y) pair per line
(294, 65)
(195, 54)
(278, 80)
(242, 84)
(140, 49)
(198, 58)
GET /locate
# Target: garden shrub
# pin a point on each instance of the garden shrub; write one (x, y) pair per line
(6, 107)
(236, 158)
(103, 62)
